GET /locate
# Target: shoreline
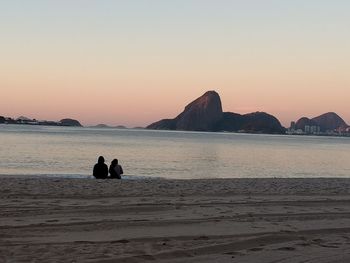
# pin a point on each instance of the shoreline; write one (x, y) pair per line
(163, 186)
(145, 177)
(324, 135)
(216, 220)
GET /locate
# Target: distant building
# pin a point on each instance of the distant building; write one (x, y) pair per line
(343, 131)
(307, 129)
(312, 129)
(292, 125)
(315, 129)
(299, 131)
(25, 120)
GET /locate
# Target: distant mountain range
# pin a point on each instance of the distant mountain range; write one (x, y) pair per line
(206, 114)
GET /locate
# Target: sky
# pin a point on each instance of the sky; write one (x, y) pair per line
(134, 62)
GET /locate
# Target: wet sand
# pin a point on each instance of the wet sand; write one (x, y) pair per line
(222, 220)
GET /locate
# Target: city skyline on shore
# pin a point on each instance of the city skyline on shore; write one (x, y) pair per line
(131, 63)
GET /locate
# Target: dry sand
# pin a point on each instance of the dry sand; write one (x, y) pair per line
(228, 220)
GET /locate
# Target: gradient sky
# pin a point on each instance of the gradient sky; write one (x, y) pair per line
(133, 62)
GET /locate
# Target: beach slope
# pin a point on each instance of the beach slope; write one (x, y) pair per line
(222, 220)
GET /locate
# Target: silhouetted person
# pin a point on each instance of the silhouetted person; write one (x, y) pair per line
(100, 169)
(115, 170)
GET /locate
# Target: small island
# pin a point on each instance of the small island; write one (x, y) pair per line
(105, 126)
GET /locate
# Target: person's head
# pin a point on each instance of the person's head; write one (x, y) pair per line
(114, 162)
(101, 159)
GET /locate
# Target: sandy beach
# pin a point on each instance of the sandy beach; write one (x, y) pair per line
(221, 220)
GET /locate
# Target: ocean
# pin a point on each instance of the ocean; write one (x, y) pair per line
(72, 152)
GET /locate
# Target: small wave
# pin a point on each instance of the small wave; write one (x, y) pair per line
(79, 176)
(74, 176)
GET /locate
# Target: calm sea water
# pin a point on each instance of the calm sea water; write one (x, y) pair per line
(70, 152)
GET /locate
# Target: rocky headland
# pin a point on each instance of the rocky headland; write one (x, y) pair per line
(206, 114)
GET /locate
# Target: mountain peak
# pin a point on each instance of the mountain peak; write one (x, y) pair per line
(199, 115)
(211, 92)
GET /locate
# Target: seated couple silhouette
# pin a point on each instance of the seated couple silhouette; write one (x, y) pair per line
(101, 169)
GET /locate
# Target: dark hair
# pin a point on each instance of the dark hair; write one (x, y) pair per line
(114, 162)
(101, 159)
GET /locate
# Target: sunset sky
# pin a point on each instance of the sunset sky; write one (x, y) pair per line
(134, 62)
